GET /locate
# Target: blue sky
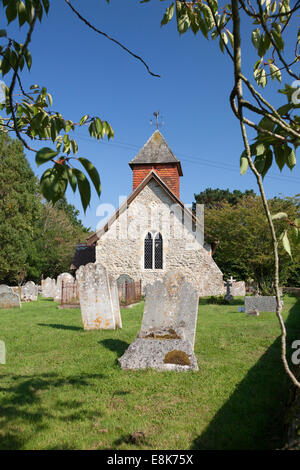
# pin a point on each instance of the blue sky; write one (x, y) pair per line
(87, 74)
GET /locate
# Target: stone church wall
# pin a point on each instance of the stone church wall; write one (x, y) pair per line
(121, 248)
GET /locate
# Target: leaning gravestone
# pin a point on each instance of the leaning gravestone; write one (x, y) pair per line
(98, 298)
(167, 335)
(260, 303)
(48, 287)
(8, 298)
(29, 292)
(62, 277)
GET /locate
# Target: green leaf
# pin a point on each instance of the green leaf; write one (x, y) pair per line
(72, 179)
(255, 37)
(2, 33)
(290, 157)
(286, 243)
(168, 14)
(11, 10)
(183, 20)
(83, 119)
(275, 72)
(93, 173)
(268, 162)
(279, 215)
(53, 183)
(276, 34)
(44, 155)
(279, 156)
(243, 163)
(84, 188)
(22, 13)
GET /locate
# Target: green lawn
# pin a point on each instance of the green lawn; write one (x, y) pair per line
(62, 387)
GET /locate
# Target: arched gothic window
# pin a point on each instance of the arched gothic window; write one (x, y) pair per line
(153, 256)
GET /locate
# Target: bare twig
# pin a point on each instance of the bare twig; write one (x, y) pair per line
(85, 21)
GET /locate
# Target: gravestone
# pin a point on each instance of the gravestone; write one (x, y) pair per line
(69, 294)
(29, 292)
(261, 303)
(98, 296)
(167, 335)
(115, 302)
(121, 285)
(238, 289)
(48, 287)
(2, 353)
(5, 289)
(8, 298)
(62, 277)
(229, 284)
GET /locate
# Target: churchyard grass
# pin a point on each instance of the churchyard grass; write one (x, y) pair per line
(62, 387)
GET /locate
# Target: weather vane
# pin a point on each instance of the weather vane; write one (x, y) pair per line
(157, 121)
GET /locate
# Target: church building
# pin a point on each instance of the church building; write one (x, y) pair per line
(153, 232)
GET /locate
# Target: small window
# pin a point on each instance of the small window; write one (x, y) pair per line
(153, 258)
(158, 251)
(148, 258)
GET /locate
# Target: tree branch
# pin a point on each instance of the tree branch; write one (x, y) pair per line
(239, 95)
(110, 38)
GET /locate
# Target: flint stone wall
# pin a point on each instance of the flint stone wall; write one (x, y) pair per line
(126, 255)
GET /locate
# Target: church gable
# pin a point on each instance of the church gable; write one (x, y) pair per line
(153, 232)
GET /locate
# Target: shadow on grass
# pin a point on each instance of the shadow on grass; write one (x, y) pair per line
(61, 327)
(253, 417)
(115, 345)
(24, 404)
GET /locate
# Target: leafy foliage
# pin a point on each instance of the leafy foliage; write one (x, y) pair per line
(215, 197)
(35, 238)
(31, 116)
(244, 242)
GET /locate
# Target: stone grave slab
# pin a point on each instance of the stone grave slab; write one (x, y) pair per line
(99, 306)
(48, 287)
(29, 292)
(167, 335)
(62, 277)
(260, 303)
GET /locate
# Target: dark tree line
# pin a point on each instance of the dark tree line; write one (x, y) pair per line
(36, 237)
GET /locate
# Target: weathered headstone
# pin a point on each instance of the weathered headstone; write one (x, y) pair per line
(2, 353)
(238, 289)
(8, 298)
(5, 289)
(62, 277)
(261, 303)
(98, 298)
(69, 294)
(121, 285)
(167, 335)
(29, 292)
(115, 302)
(48, 287)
